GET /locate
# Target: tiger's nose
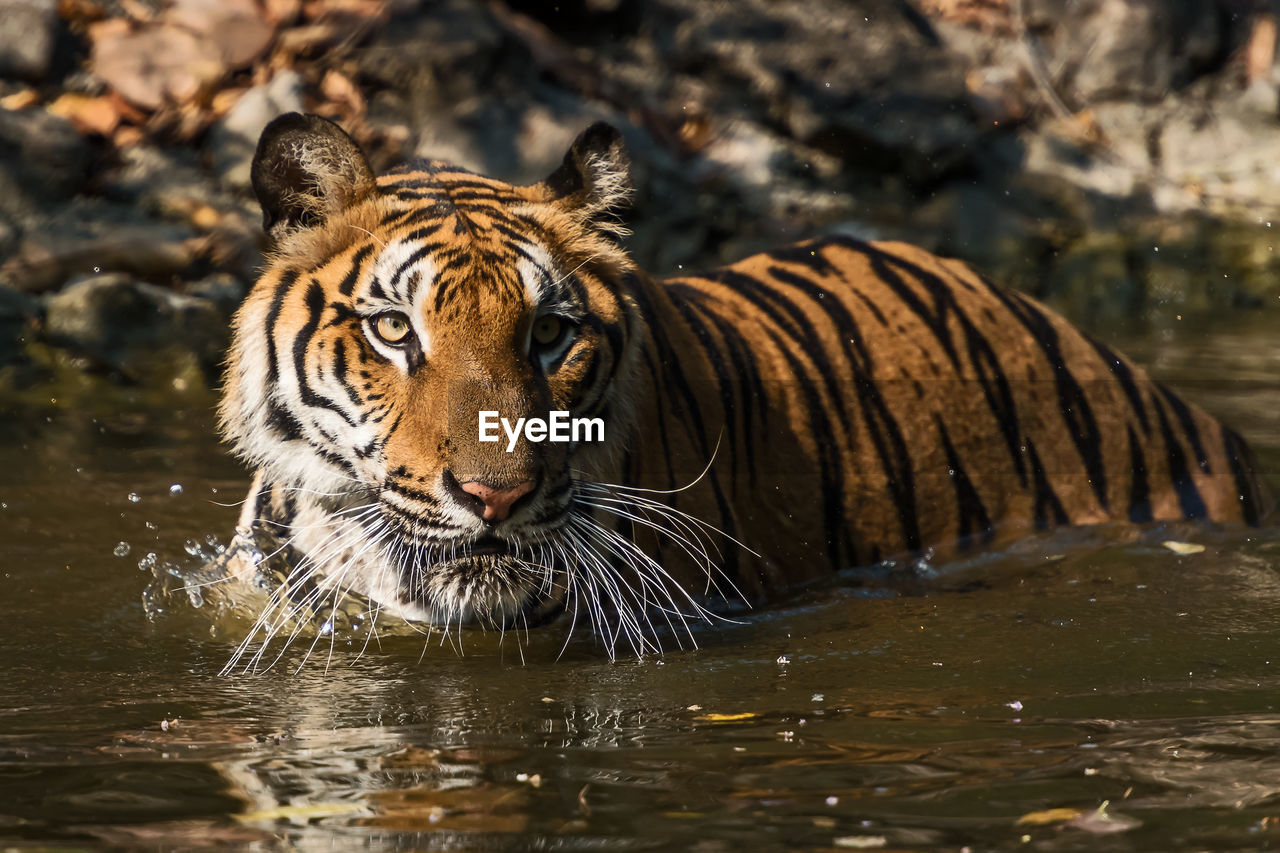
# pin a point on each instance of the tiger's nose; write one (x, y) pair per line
(494, 502)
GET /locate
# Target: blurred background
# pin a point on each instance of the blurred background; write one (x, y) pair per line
(1119, 158)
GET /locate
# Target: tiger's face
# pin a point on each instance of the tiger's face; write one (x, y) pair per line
(393, 312)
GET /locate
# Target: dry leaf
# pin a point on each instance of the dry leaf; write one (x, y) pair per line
(154, 66)
(337, 87)
(311, 37)
(1260, 50)
(20, 100)
(1182, 549)
(1048, 816)
(283, 11)
(726, 718)
(237, 29)
(89, 115)
(224, 100)
(127, 135)
(80, 13)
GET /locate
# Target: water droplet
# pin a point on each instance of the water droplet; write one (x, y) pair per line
(326, 629)
(148, 562)
(192, 547)
(195, 597)
(133, 497)
(151, 525)
(121, 549)
(175, 489)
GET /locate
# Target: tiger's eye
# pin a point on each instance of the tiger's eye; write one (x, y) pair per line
(392, 327)
(547, 330)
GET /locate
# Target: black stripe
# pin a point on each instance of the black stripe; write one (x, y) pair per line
(972, 519)
(673, 376)
(830, 464)
(340, 374)
(348, 283)
(1073, 404)
(282, 421)
(1189, 499)
(982, 357)
(1048, 508)
(724, 381)
(754, 399)
(1248, 490)
(1189, 427)
(283, 286)
(886, 434)
(1140, 492)
(310, 397)
(1124, 376)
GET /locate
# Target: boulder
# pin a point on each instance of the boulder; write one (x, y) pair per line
(28, 31)
(18, 313)
(135, 329)
(43, 160)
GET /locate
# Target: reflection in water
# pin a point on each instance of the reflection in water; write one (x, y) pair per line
(1084, 668)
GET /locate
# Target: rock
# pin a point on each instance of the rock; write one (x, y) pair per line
(42, 160)
(28, 30)
(151, 177)
(10, 234)
(1138, 49)
(135, 329)
(234, 139)
(223, 290)
(18, 313)
(89, 237)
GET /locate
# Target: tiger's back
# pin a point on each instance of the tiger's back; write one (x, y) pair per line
(878, 401)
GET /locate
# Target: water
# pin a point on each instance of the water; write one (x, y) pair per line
(1066, 674)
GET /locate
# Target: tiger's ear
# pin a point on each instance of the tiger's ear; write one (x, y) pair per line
(305, 170)
(595, 177)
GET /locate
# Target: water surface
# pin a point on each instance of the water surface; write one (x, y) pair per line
(1133, 689)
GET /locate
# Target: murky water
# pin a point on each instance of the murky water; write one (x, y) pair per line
(1133, 690)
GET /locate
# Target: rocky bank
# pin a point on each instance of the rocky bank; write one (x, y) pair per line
(1120, 158)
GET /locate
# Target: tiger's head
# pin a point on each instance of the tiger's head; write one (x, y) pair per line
(394, 310)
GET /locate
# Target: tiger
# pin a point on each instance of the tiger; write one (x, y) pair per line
(829, 405)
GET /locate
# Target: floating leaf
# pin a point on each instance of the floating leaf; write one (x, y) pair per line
(1048, 816)
(726, 718)
(1182, 549)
